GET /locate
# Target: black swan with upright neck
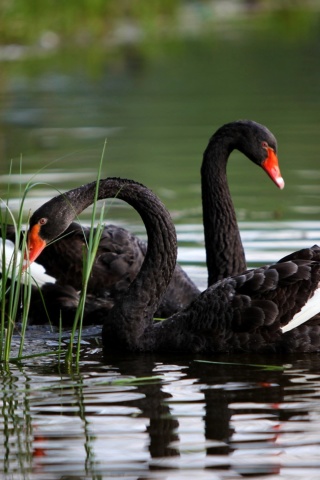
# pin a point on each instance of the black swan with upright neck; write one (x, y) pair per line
(251, 312)
(224, 250)
(120, 254)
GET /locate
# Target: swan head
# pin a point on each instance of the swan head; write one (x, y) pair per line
(259, 144)
(47, 223)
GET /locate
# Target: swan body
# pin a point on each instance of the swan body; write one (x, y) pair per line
(246, 312)
(119, 258)
(252, 312)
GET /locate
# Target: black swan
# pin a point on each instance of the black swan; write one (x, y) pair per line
(119, 258)
(249, 312)
(121, 254)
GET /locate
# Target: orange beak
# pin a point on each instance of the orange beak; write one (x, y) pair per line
(271, 166)
(35, 245)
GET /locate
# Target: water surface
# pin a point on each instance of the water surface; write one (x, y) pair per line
(194, 418)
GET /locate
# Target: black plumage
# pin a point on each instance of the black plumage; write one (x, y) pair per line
(241, 313)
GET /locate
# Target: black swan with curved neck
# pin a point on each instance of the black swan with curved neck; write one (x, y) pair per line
(120, 254)
(248, 312)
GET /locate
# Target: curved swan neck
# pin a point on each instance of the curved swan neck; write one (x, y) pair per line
(134, 311)
(224, 250)
(162, 247)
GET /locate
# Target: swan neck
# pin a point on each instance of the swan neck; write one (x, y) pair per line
(133, 312)
(224, 251)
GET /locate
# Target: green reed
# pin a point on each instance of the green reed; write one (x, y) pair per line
(15, 285)
(89, 255)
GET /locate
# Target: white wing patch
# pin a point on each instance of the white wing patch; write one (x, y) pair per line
(311, 308)
(37, 271)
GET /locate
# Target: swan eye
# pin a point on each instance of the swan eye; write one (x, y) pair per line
(264, 145)
(43, 221)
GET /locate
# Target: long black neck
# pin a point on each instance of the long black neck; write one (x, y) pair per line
(224, 250)
(133, 313)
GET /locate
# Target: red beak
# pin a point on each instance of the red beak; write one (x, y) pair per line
(271, 166)
(35, 245)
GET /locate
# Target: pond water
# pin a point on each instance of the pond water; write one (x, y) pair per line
(244, 415)
(211, 420)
